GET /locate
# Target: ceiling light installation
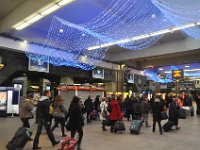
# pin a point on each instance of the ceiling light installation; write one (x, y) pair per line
(41, 13)
(131, 24)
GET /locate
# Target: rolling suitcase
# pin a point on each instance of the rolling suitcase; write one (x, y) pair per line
(182, 114)
(135, 126)
(21, 137)
(168, 125)
(67, 144)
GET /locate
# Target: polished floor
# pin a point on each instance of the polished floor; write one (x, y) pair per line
(187, 138)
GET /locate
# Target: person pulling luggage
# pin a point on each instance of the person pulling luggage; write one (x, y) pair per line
(26, 110)
(43, 119)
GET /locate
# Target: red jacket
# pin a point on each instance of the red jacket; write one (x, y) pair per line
(116, 113)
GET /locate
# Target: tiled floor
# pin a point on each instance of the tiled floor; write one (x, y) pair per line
(187, 138)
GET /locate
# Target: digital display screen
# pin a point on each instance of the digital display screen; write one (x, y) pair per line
(3, 100)
(98, 73)
(38, 65)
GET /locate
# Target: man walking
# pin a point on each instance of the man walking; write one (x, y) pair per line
(43, 119)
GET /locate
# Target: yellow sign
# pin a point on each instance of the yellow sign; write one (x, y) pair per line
(177, 74)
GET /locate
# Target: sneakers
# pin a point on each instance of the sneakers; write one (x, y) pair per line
(56, 142)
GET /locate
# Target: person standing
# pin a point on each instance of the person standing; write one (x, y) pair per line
(127, 104)
(157, 108)
(26, 110)
(115, 114)
(89, 107)
(43, 119)
(76, 122)
(145, 110)
(59, 114)
(198, 105)
(104, 113)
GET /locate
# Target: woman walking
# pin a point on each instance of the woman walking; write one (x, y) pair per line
(59, 114)
(76, 122)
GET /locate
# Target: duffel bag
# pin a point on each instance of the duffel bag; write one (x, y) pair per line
(119, 126)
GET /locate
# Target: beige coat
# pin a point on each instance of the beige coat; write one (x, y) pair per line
(26, 109)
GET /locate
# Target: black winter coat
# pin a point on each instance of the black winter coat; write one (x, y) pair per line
(127, 104)
(88, 105)
(42, 112)
(75, 117)
(173, 111)
(136, 108)
(157, 108)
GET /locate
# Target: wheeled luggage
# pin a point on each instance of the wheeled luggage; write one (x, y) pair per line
(21, 137)
(182, 114)
(119, 126)
(67, 144)
(135, 126)
(93, 115)
(168, 125)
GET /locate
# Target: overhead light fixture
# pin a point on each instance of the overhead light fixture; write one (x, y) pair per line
(64, 2)
(140, 37)
(50, 10)
(187, 66)
(41, 13)
(34, 19)
(22, 26)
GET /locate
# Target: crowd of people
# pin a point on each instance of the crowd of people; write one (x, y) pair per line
(108, 109)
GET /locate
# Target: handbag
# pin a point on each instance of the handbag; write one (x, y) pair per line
(164, 116)
(59, 115)
(119, 126)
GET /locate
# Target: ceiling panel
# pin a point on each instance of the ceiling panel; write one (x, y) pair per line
(6, 6)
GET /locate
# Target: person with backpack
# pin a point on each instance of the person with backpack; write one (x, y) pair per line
(43, 120)
(59, 114)
(127, 105)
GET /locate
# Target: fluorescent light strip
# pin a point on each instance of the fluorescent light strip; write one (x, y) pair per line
(50, 10)
(55, 6)
(140, 37)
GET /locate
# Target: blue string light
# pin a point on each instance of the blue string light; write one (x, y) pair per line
(68, 43)
(181, 12)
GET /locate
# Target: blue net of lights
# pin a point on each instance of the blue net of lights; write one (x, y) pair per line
(69, 44)
(181, 12)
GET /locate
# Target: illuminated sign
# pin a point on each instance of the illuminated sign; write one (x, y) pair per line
(177, 74)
